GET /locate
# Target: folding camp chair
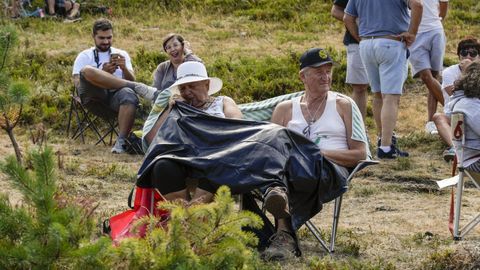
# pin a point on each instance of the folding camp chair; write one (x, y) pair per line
(458, 138)
(330, 248)
(86, 119)
(336, 210)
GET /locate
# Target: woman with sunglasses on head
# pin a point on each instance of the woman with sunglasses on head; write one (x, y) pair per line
(467, 51)
(178, 51)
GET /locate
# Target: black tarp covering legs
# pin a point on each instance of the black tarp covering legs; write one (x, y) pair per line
(247, 155)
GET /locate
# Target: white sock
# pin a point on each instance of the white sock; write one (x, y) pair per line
(386, 149)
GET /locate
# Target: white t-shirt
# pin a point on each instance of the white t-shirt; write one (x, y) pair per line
(430, 17)
(87, 58)
(449, 76)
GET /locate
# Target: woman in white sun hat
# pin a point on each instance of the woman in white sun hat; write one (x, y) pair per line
(193, 87)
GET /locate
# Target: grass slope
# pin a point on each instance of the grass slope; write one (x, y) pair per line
(393, 216)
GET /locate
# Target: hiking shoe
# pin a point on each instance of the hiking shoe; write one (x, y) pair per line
(72, 20)
(282, 247)
(430, 128)
(276, 202)
(119, 147)
(145, 91)
(449, 154)
(392, 154)
(394, 140)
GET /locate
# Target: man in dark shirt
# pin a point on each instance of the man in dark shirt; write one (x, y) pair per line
(356, 73)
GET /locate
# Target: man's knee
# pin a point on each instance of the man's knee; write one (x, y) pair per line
(440, 118)
(87, 72)
(126, 96)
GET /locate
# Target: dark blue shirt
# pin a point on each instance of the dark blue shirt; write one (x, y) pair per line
(347, 38)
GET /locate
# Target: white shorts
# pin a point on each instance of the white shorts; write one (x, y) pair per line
(356, 72)
(427, 51)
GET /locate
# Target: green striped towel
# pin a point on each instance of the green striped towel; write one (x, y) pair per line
(261, 111)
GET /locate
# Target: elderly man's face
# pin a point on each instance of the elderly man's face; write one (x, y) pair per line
(195, 93)
(317, 78)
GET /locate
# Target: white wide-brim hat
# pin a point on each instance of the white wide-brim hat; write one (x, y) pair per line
(193, 71)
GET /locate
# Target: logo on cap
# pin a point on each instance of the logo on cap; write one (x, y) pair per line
(322, 54)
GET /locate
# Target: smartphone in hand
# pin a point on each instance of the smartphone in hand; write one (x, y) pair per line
(114, 57)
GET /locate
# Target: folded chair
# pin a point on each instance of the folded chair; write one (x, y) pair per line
(85, 119)
(458, 138)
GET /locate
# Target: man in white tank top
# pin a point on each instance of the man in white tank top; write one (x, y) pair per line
(325, 118)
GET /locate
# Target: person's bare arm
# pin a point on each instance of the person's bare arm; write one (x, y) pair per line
(230, 109)
(443, 8)
(416, 8)
(337, 12)
(151, 134)
(356, 150)
(282, 113)
(352, 27)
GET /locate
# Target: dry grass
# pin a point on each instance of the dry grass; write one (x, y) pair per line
(393, 214)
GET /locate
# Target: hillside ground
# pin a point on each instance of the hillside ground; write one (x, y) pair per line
(393, 216)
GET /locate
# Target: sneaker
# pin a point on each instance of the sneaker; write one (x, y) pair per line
(282, 247)
(430, 128)
(145, 91)
(392, 154)
(276, 202)
(119, 148)
(449, 154)
(394, 140)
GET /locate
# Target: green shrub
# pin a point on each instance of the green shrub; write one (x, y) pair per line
(205, 236)
(42, 233)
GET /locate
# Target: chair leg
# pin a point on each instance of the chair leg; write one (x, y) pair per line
(314, 230)
(458, 205)
(336, 217)
(70, 117)
(80, 124)
(459, 233)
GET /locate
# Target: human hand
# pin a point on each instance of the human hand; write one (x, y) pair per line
(407, 37)
(187, 47)
(174, 98)
(120, 62)
(109, 67)
(464, 64)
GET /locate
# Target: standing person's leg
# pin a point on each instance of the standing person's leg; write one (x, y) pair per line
(360, 96)
(106, 80)
(72, 9)
(51, 7)
(377, 112)
(389, 115)
(357, 78)
(427, 60)
(371, 63)
(393, 70)
(435, 90)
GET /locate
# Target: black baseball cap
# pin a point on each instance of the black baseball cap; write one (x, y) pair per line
(315, 57)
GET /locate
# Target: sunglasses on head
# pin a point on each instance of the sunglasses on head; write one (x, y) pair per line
(472, 53)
